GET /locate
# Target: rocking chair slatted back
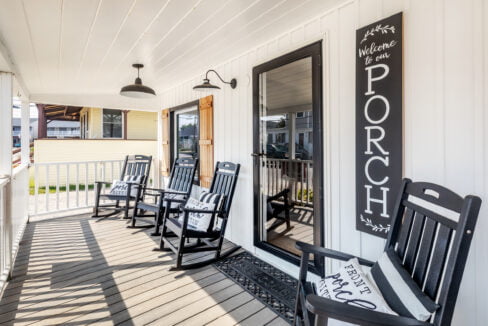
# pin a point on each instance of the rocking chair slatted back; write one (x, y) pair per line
(182, 174)
(136, 165)
(224, 183)
(431, 233)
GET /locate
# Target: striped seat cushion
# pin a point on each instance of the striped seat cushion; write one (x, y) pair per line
(400, 291)
(216, 199)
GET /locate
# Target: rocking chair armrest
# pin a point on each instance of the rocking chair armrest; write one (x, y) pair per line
(103, 182)
(202, 211)
(153, 189)
(173, 200)
(307, 248)
(345, 312)
(282, 193)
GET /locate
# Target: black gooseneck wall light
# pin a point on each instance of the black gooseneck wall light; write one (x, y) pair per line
(208, 86)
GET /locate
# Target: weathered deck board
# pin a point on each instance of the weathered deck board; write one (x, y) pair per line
(76, 271)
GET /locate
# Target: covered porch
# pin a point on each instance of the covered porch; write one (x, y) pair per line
(292, 130)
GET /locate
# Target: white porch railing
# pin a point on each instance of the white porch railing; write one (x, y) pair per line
(296, 175)
(13, 218)
(64, 186)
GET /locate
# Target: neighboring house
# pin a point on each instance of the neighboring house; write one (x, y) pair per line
(93, 134)
(97, 123)
(16, 127)
(57, 129)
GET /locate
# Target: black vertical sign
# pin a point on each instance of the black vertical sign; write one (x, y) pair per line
(378, 123)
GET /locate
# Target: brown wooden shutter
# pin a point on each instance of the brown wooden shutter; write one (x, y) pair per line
(165, 160)
(206, 141)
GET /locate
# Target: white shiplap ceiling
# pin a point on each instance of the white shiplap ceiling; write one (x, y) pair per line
(87, 46)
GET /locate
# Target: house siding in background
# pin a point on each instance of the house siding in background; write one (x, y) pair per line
(445, 123)
(140, 124)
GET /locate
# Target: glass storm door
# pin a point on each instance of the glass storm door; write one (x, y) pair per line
(287, 152)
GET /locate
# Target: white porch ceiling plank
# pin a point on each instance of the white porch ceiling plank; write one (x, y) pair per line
(106, 25)
(224, 43)
(44, 19)
(170, 19)
(131, 31)
(14, 35)
(261, 30)
(76, 26)
(223, 24)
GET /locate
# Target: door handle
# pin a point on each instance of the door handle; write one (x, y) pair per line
(257, 154)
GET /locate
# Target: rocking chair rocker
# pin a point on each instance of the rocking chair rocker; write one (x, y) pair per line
(135, 172)
(166, 201)
(223, 183)
(431, 232)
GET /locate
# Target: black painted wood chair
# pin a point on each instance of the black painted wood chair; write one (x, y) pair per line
(166, 201)
(134, 167)
(431, 232)
(278, 207)
(224, 183)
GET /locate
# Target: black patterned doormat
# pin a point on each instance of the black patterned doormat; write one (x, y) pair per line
(275, 289)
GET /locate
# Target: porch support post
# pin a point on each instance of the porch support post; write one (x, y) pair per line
(6, 106)
(291, 134)
(5, 124)
(41, 122)
(124, 112)
(25, 132)
(157, 161)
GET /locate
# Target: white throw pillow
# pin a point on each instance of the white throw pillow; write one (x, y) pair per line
(198, 221)
(120, 187)
(351, 285)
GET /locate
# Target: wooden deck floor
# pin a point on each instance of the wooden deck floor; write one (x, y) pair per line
(76, 271)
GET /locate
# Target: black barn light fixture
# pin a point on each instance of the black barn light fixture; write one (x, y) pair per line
(137, 90)
(207, 86)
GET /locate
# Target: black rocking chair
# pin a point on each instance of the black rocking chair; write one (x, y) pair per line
(224, 183)
(134, 166)
(432, 245)
(275, 208)
(180, 184)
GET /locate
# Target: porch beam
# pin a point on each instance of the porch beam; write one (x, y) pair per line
(41, 122)
(25, 132)
(6, 105)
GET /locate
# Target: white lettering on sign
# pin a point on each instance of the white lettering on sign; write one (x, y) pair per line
(385, 161)
(381, 201)
(376, 141)
(371, 79)
(370, 140)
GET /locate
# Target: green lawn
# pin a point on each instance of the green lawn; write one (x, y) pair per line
(52, 189)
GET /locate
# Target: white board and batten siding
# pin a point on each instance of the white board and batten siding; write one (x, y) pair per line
(445, 123)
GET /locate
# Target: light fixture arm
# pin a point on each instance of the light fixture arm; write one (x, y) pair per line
(232, 83)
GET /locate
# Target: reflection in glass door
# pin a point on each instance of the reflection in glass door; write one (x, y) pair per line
(287, 122)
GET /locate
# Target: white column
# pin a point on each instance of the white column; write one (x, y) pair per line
(25, 132)
(6, 166)
(5, 124)
(157, 161)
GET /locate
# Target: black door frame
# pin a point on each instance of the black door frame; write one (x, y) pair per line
(314, 51)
